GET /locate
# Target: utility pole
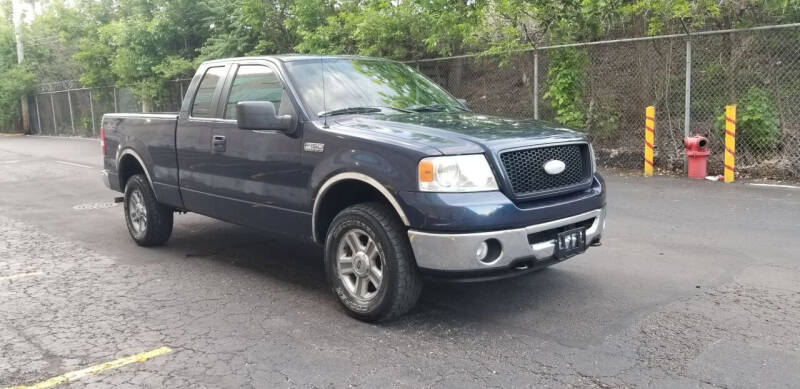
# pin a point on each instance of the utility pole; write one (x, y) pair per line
(16, 15)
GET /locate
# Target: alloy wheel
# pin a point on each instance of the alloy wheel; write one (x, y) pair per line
(359, 264)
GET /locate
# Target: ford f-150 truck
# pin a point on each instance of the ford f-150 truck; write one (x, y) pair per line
(392, 175)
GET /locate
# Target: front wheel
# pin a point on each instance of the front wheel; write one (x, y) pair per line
(149, 223)
(369, 263)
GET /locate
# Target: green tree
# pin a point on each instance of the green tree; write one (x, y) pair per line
(248, 27)
(396, 29)
(509, 25)
(17, 80)
(52, 39)
(672, 16)
(145, 45)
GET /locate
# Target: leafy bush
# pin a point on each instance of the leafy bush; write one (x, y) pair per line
(757, 122)
(15, 83)
(565, 80)
(601, 122)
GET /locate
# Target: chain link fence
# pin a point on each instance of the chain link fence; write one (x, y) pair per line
(601, 88)
(65, 109)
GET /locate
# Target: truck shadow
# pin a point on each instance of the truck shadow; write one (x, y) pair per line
(299, 263)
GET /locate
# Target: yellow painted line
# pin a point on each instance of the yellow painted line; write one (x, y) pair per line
(15, 276)
(96, 369)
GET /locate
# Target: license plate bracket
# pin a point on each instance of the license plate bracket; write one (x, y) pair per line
(570, 243)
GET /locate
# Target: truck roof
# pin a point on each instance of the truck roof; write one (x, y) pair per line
(294, 57)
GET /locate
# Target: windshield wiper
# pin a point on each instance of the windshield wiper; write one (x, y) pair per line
(435, 107)
(354, 110)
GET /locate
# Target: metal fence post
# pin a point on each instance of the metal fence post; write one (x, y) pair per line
(114, 92)
(536, 85)
(91, 111)
(53, 107)
(687, 103)
(38, 114)
(71, 116)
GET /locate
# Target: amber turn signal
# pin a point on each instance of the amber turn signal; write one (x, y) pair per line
(426, 171)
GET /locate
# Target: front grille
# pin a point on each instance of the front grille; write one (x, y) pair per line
(525, 168)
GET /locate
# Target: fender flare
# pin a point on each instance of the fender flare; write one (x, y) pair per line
(357, 177)
(131, 152)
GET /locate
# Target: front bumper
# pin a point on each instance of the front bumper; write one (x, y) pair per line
(490, 211)
(520, 248)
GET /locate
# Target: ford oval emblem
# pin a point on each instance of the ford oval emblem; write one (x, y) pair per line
(554, 166)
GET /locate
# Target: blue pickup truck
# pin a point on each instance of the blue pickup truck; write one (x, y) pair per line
(367, 157)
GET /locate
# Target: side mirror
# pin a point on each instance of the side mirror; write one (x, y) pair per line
(463, 102)
(260, 115)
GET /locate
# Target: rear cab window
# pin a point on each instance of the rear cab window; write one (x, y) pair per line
(203, 105)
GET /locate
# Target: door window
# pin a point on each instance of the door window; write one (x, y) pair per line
(203, 99)
(254, 83)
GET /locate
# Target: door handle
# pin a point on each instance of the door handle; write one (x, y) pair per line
(218, 143)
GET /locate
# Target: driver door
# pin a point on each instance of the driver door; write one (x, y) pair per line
(261, 181)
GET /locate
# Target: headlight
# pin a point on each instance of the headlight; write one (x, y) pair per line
(459, 173)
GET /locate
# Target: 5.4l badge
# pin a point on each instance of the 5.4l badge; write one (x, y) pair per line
(314, 147)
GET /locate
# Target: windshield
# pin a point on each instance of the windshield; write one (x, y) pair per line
(366, 86)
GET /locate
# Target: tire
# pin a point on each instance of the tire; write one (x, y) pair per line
(149, 223)
(390, 255)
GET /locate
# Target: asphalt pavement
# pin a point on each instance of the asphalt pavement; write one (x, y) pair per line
(697, 284)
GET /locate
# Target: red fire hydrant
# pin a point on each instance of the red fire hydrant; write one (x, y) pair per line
(697, 151)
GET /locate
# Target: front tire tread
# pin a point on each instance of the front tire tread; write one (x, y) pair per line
(408, 282)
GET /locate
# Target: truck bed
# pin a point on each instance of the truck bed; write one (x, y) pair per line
(150, 138)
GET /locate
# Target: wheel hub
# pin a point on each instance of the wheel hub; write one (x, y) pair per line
(137, 212)
(361, 264)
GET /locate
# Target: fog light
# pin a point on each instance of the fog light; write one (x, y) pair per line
(489, 251)
(483, 249)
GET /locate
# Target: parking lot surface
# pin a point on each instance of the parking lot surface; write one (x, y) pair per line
(697, 284)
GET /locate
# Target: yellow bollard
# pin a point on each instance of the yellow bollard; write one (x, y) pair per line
(730, 141)
(649, 139)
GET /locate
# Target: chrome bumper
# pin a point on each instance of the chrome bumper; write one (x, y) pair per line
(457, 252)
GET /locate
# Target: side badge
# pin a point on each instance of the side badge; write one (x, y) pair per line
(314, 147)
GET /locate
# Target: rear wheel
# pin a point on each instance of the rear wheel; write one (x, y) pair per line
(369, 263)
(149, 223)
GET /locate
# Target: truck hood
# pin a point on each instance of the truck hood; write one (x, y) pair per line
(461, 132)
